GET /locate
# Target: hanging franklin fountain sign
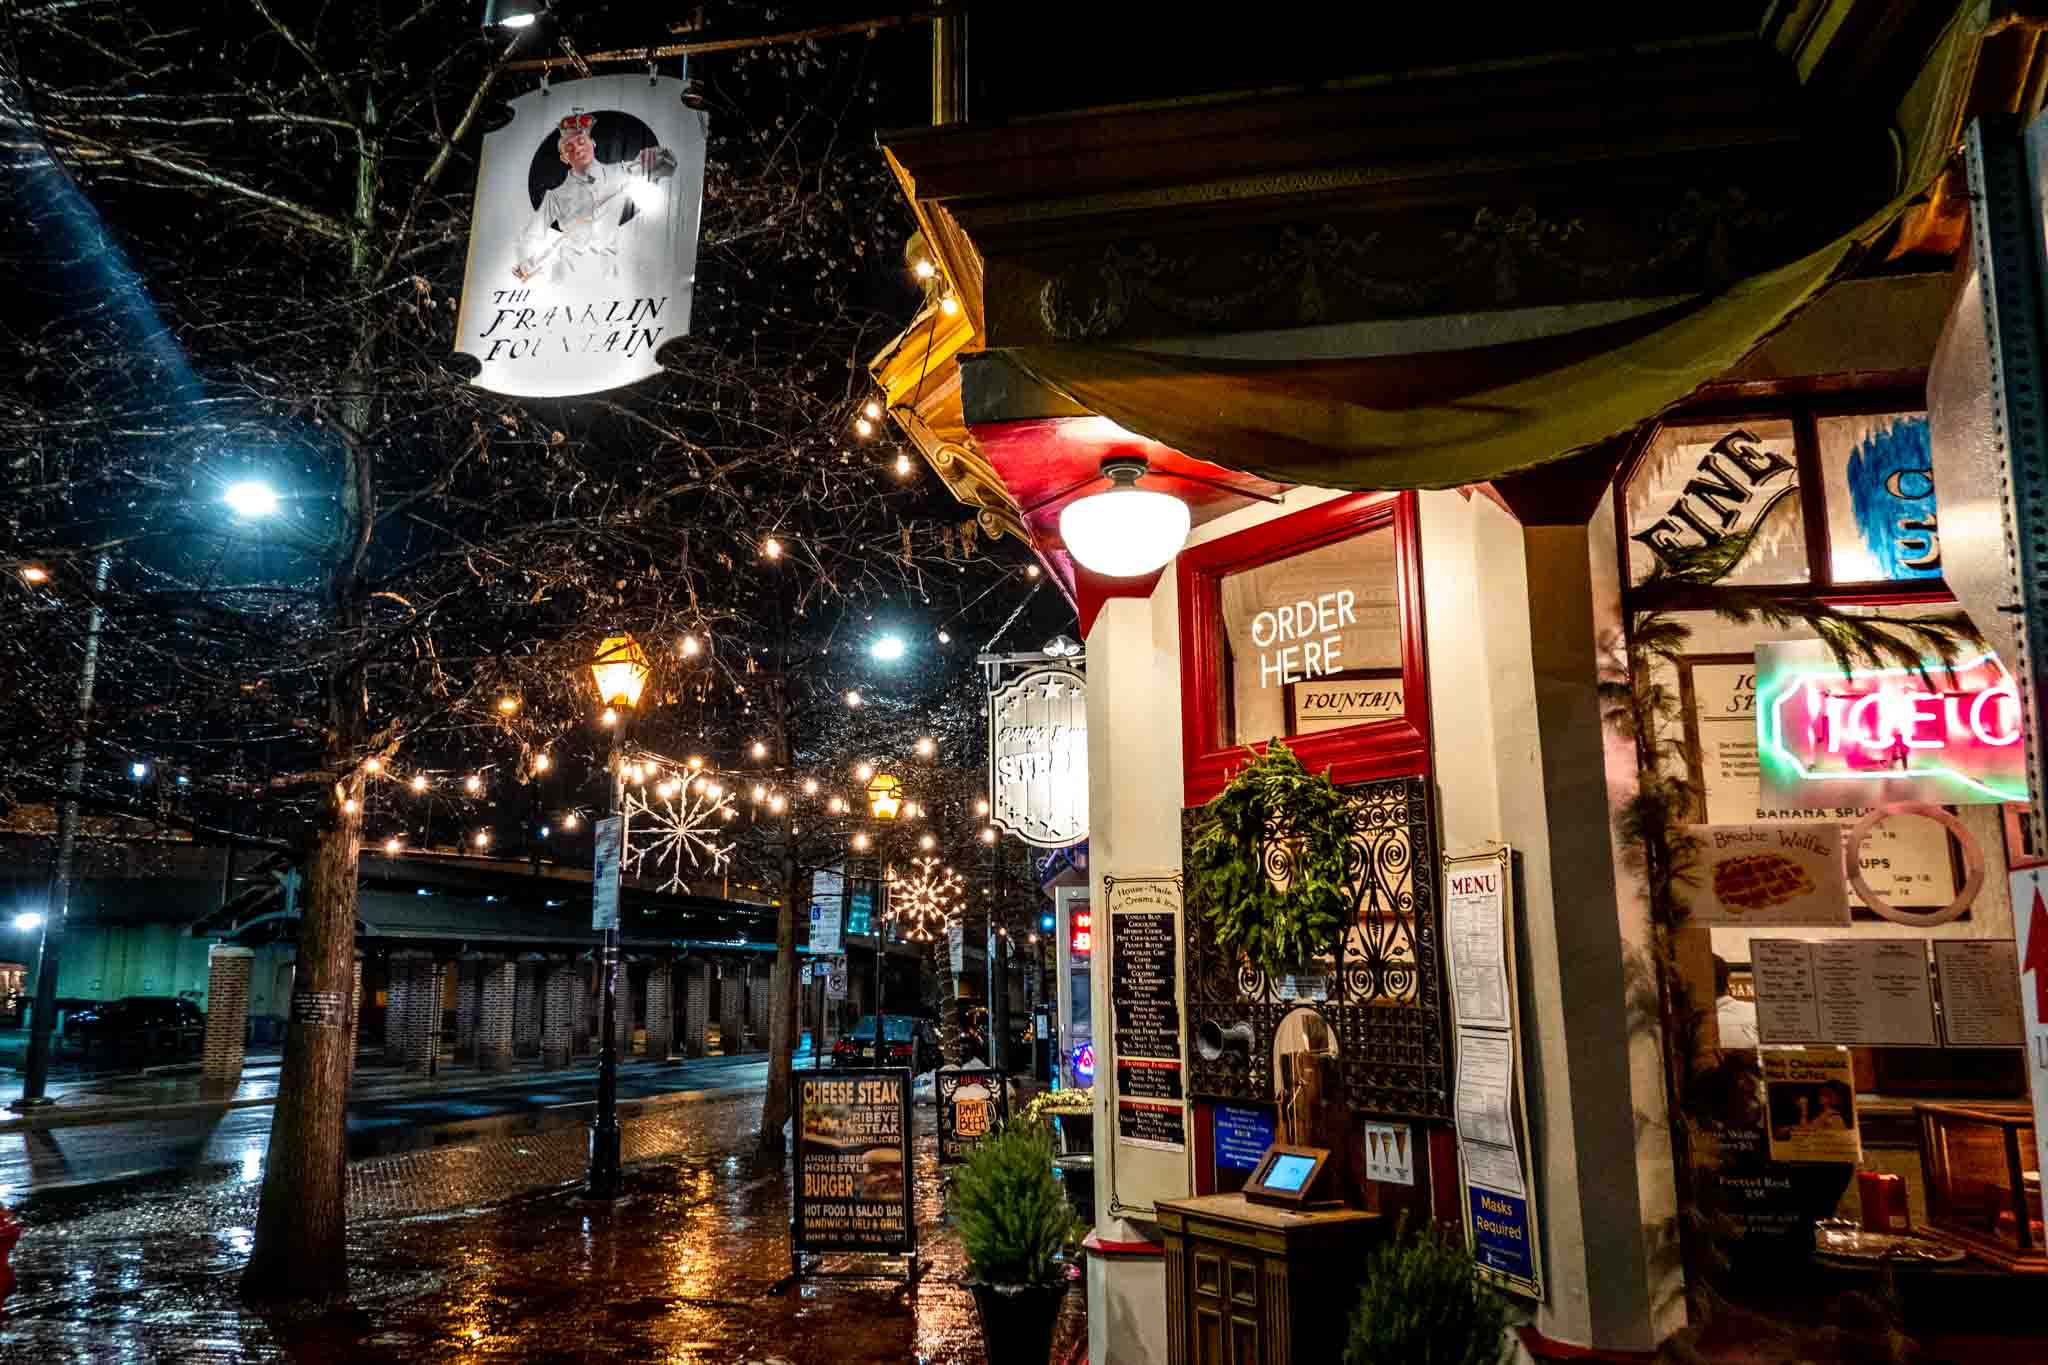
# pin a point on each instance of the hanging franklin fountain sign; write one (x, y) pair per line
(583, 242)
(1038, 757)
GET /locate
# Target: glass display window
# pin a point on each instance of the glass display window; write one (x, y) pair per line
(1835, 494)
(1308, 629)
(1878, 472)
(1697, 485)
(1313, 642)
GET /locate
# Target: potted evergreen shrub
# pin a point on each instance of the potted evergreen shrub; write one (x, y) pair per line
(1016, 1227)
(1424, 1303)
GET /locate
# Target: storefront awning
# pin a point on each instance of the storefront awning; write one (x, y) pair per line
(1442, 419)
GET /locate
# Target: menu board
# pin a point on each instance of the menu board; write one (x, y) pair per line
(1143, 977)
(1476, 938)
(1161, 1127)
(1148, 1152)
(1143, 1079)
(1980, 992)
(1501, 1223)
(972, 1103)
(1907, 863)
(852, 1169)
(1848, 992)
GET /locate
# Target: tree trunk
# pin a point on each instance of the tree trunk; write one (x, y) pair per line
(782, 1003)
(301, 1228)
(301, 1246)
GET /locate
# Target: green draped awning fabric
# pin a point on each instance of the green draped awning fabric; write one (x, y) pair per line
(1445, 419)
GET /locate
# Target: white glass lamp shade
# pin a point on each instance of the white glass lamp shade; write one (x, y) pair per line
(1125, 532)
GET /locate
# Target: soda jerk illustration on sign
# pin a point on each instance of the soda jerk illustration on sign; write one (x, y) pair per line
(583, 243)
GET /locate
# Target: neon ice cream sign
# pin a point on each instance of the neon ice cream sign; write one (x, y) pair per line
(1878, 735)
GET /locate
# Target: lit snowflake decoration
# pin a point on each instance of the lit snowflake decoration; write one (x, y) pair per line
(925, 896)
(677, 825)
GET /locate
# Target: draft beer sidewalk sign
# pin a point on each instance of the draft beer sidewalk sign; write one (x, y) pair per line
(583, 239)
(972, 1102)
(852, 1173)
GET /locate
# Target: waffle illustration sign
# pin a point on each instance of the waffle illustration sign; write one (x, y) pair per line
(1767, 874)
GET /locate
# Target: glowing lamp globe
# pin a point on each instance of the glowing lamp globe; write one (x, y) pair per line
(1127, 531)
(885, 797)
(621, 670)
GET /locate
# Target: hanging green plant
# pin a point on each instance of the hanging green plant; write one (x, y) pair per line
(1273, 815)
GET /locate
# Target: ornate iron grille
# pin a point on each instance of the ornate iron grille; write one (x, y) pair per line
(1378, 983)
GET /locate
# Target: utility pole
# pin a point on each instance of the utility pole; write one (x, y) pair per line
(58, 906)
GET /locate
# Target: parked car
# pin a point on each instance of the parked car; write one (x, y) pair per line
(913, 1043)
(149, 1026)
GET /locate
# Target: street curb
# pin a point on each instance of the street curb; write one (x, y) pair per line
(56, 1116)
(434, 1137)
(392, 1142)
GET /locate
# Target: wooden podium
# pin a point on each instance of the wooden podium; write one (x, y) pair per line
(1247, 1284)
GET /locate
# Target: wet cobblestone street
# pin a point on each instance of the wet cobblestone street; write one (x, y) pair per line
(677, 1271)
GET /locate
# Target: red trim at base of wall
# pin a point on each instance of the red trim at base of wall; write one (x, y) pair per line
(1095, 1244)
(1543, 1348)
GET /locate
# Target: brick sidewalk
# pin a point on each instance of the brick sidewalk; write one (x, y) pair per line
(497, 1169)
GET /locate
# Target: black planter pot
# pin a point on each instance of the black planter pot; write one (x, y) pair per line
(1017, 1320)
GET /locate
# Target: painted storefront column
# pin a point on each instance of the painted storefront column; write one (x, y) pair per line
(1517, 620)
(1134, 786)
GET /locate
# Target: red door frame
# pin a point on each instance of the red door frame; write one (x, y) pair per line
(1358, 753)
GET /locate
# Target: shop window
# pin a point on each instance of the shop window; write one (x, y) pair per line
(1308, 629)
(1834, 495)
(1879, 478)
(1698, 485)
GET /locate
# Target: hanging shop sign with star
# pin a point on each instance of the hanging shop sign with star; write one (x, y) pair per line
(583, 241)
(1038, 757)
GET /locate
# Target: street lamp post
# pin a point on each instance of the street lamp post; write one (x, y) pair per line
(885, 801)
(250, 501)
(36, 1083)
(621, 672)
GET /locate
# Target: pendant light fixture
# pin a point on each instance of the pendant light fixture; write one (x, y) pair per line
(1125, 531)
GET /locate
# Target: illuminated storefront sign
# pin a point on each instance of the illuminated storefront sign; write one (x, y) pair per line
(1878, 735)
(1303, 639)
(1081, 933)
